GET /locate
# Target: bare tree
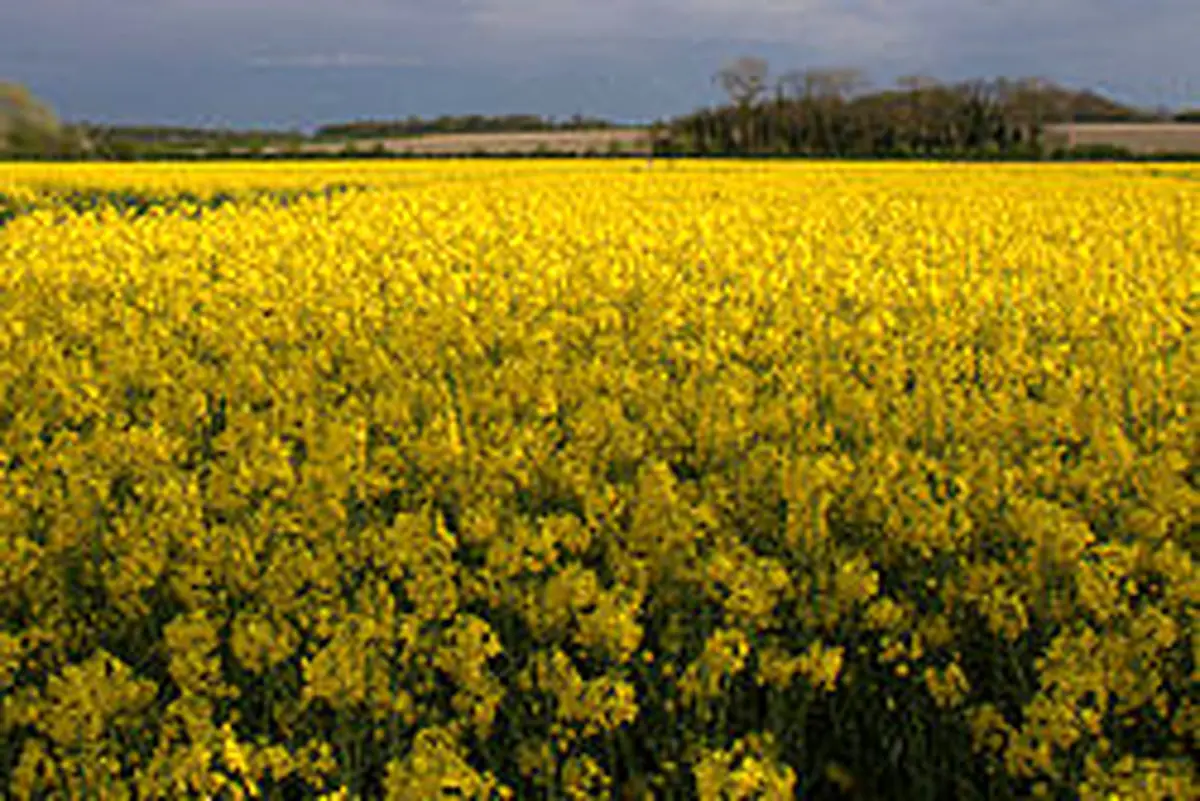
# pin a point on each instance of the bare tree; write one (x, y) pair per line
(823, 83)
(744, 80)
(841, 83)
(820, 90)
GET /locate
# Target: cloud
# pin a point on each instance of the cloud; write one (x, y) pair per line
(335, 61)
(640, 55)
(503, 31)
(854, 27)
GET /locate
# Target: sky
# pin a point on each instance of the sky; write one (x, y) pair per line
(301, 63)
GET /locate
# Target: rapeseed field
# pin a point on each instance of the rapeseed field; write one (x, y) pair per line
(593, 479)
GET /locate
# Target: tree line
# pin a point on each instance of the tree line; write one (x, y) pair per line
(456, 124)
(830, 113)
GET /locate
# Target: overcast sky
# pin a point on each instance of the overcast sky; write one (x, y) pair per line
(297, 63)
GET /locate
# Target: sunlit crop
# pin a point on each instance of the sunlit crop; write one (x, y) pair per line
(580, 479)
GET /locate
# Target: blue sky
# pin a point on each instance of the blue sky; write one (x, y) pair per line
(296, 63)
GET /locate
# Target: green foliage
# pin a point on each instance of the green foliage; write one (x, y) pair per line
(29, 128)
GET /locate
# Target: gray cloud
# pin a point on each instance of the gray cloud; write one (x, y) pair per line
(261, 59)
(319, 61)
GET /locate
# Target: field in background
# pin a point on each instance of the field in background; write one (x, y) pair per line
(596, 142)
(1140, 138)
(578, 479)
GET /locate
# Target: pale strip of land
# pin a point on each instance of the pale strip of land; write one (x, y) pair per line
(598, 142)
(1141, 138)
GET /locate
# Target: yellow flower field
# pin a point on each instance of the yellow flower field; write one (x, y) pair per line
(585, 479)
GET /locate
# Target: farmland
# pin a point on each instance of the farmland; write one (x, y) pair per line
(598, 142)
(581, 479)
(1139, 138)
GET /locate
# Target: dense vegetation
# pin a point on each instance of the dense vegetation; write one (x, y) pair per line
(545, 480)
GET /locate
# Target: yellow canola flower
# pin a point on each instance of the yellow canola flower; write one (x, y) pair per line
(494, 469)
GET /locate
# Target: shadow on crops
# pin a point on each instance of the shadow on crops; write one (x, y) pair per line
(134, 204)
